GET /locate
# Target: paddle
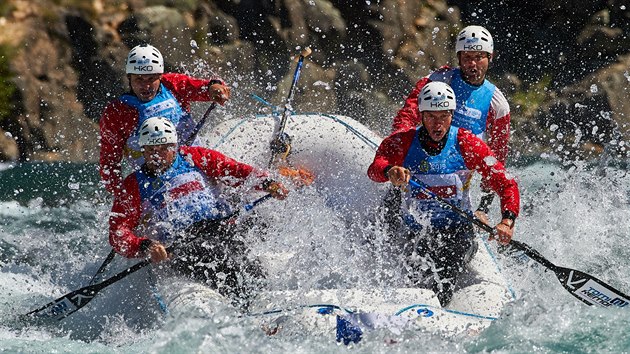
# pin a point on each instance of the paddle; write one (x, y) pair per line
(72, 302)
(585, 287)
(188, 141)
(101, 269)
(281, 141)
(199, 125)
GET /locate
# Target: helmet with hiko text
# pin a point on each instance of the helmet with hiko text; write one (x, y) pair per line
(474, 38)
(157, 131)
(436, 96)
(145, 59)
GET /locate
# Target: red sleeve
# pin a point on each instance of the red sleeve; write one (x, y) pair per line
(124, 218)
(408, 117)
(116, 126)
(391, 152)
(216, 165)
(478, 157)
(188, 89)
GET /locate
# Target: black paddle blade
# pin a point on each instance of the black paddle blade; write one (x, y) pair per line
(64, 305)
(589, 289)
(75, 300)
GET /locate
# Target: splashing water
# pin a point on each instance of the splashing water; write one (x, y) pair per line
(574, 218)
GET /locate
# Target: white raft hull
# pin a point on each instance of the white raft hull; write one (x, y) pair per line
(348, 312)
(338, 151)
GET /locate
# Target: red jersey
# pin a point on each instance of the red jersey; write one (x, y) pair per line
(477, 157)
(127, 209)
(119, 120)
(497, 132)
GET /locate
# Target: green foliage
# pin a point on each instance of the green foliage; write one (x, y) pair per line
(533, 97)
(7, 87)
(6, 8)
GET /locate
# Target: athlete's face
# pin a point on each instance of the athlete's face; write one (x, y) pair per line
(145, 86)
(474, 66)
(437, 123)
(158, 158)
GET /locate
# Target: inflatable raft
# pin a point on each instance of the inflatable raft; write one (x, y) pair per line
(338, 151)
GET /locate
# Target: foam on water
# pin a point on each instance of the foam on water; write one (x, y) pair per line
(572, 217)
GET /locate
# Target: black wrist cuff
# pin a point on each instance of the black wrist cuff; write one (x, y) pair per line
(509, 215)
(266, 183)
(387, 168)
(145, 245)
(484, 204)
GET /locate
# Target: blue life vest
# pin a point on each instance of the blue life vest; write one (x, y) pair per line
(164, 104)
(445, 174)
(473, 102)
(175, 200)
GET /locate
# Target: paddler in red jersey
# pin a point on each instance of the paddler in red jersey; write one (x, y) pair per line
(177, 195)
(481, 106)
(438, 241)
(152, 93)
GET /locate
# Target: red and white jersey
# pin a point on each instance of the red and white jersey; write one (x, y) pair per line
(497, 127)
(120, 120)
(476, 154)
(127, 213)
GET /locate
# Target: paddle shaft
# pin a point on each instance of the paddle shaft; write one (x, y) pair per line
(101, 269)
(71, 302)
(296, 77)
(528, 250)
(287, 106)
(188, 141)
(585, 287)
(199, 125)
(453, 207)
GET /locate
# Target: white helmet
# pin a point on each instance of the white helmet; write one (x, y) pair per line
(474, 38)
(145, 59)
(436, 96)
(157, 131)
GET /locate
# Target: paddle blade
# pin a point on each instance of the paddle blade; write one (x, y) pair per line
(64, 305)
(589, 289)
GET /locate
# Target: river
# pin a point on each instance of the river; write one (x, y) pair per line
(53, 237)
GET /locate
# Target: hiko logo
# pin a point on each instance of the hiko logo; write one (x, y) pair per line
(157, 138)
(80, 298)
(147, 68)
(472, 44)
(143, 64)
(440, 102)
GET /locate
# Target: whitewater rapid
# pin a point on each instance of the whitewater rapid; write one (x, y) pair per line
(53, 240)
